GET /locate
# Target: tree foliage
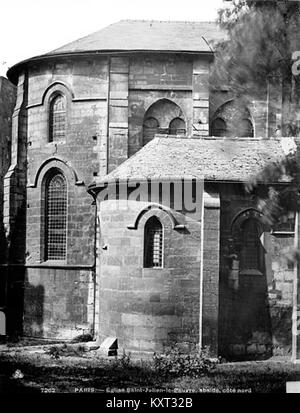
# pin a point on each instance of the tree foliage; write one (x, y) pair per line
(262, 37)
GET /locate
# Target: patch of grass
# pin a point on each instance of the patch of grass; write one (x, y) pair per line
(176, 363)
(87, 370)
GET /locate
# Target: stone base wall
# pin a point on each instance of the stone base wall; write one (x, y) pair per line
(59, 303)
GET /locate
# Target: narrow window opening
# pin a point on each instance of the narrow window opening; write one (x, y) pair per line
(153, 244)
(251, 254)
(57, 121)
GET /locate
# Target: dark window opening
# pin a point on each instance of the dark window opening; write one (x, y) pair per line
(219, 128)
(151, 128)
(153, 244)
(246, 130)
(177, 127)
(251, 254)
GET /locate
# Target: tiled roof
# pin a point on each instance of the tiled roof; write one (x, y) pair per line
(212, 159)
(129, 35)
(138, 36)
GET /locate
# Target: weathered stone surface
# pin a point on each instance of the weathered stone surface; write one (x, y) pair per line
(191, 299)
(258, 312)
(154, 307)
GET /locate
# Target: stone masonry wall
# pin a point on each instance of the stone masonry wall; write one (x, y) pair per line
(255, 318)
(179, 78)
(59, 303)
(148, 309)
(211, 271)
(59, 296)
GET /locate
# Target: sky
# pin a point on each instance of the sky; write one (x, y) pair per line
(33, 27)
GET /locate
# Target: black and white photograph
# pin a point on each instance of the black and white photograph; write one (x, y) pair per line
(149, 199)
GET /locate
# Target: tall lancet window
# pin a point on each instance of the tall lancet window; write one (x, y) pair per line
(56, 217)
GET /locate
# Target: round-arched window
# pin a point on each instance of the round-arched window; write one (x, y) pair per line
(57, 118)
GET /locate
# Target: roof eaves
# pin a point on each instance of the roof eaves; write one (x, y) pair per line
(96, 187)
(13, 70)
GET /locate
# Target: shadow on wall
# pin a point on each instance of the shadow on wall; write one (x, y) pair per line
(34, 307)
(15, 273)
(251, 320)
(246, 327)
(16, 310)
(15, 301)
(17, 236)
(3, 269)
(3, 245)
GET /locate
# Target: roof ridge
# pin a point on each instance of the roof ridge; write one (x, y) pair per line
(219, 138)
(168, 21)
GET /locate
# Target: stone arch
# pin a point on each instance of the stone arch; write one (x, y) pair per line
(65, 166)
(247, 228)
(177, 126)
(244, 215)
(54, 91)
(237, 119)
(54, 170)
(161, 113)
(57, 87)
(159, 211)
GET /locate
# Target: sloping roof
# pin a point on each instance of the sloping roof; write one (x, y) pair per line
(212, 159)
(148, 35)
(138, 36)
